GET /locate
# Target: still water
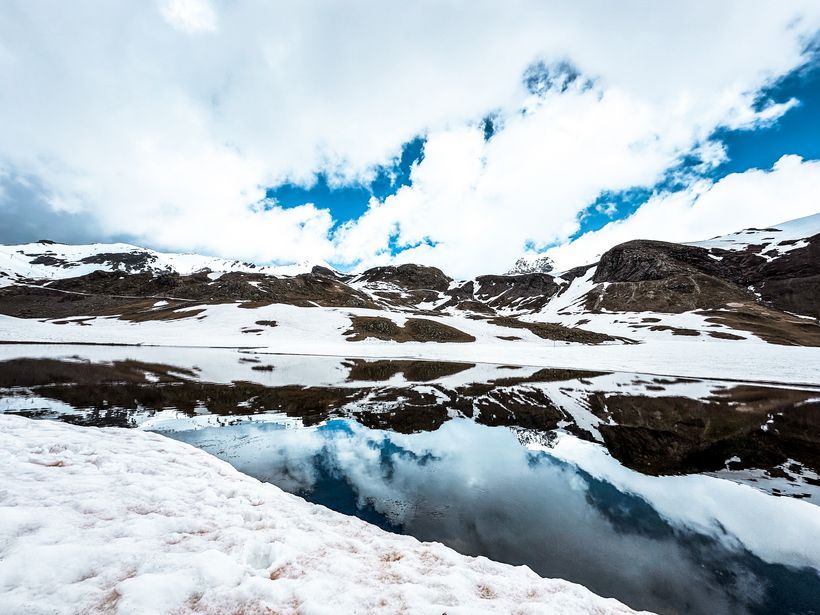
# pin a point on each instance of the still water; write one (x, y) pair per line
(672, 495)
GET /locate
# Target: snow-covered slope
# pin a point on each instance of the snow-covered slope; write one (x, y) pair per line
(123, 521)
(775, 240)
(320, 331)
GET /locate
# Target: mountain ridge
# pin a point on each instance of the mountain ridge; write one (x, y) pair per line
(763, 282)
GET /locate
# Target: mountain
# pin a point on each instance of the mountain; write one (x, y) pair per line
(532, 264)
(49, 260)
(753, 286)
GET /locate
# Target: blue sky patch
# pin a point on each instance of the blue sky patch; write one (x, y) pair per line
(797, 132)
(350, 201)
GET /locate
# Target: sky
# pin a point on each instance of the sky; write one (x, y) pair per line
(457, 134)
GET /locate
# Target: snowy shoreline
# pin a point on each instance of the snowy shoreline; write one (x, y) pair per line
(124, 521)
(744, 361)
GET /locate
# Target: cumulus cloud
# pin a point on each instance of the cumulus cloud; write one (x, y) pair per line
(756, 198)
(166, 121)
(189, 15)
(473, 205)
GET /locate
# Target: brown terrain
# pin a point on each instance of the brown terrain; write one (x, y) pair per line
(740, 289)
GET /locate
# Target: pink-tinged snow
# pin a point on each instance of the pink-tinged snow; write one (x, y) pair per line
(320, 331)
(119, 521)
(770, 238)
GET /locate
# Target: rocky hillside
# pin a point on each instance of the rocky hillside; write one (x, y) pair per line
(759, 282)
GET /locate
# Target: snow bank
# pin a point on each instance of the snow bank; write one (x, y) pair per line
(108, 520)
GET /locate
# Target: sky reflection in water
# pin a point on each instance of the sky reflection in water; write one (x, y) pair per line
(478, 490)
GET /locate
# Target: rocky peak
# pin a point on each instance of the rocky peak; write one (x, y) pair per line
(410, 277)
(531, 264)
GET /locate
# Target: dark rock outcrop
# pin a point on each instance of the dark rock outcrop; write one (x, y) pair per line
(409, 277)
(530, 291)
(791, 282)
(642, 260)
(136, 261)
(413, 330)
(668, 277)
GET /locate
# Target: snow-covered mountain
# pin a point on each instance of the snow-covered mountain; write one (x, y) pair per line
(532, 264)
(48, 260)
(750, 286)
(768, 242)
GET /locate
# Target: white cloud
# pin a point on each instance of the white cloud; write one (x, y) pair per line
(481, 203)
(756, 198)
(189, 15)
(171, 138)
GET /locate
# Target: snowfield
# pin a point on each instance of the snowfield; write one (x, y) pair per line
(124, 521)
(320, 331)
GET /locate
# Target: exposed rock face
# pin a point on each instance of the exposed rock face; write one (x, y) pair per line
(126, 261)
(106, 293)
(641, 261)
(538, 264)
(576, 272)
(409, 277)
(668, 277)
(319, 270)
(678, 293)
(530, 290)
(791, 282)
(136, 261)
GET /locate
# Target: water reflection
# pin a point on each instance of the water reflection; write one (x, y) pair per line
(606, 479)
(476, 489)
(762, 435)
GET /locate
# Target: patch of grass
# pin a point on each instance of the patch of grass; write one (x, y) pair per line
(414, 330)
(556, 332)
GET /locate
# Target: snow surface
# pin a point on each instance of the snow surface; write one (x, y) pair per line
(320, 331)
(770, 238)
(124, 521)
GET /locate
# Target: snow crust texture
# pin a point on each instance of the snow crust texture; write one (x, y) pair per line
(123, 521)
